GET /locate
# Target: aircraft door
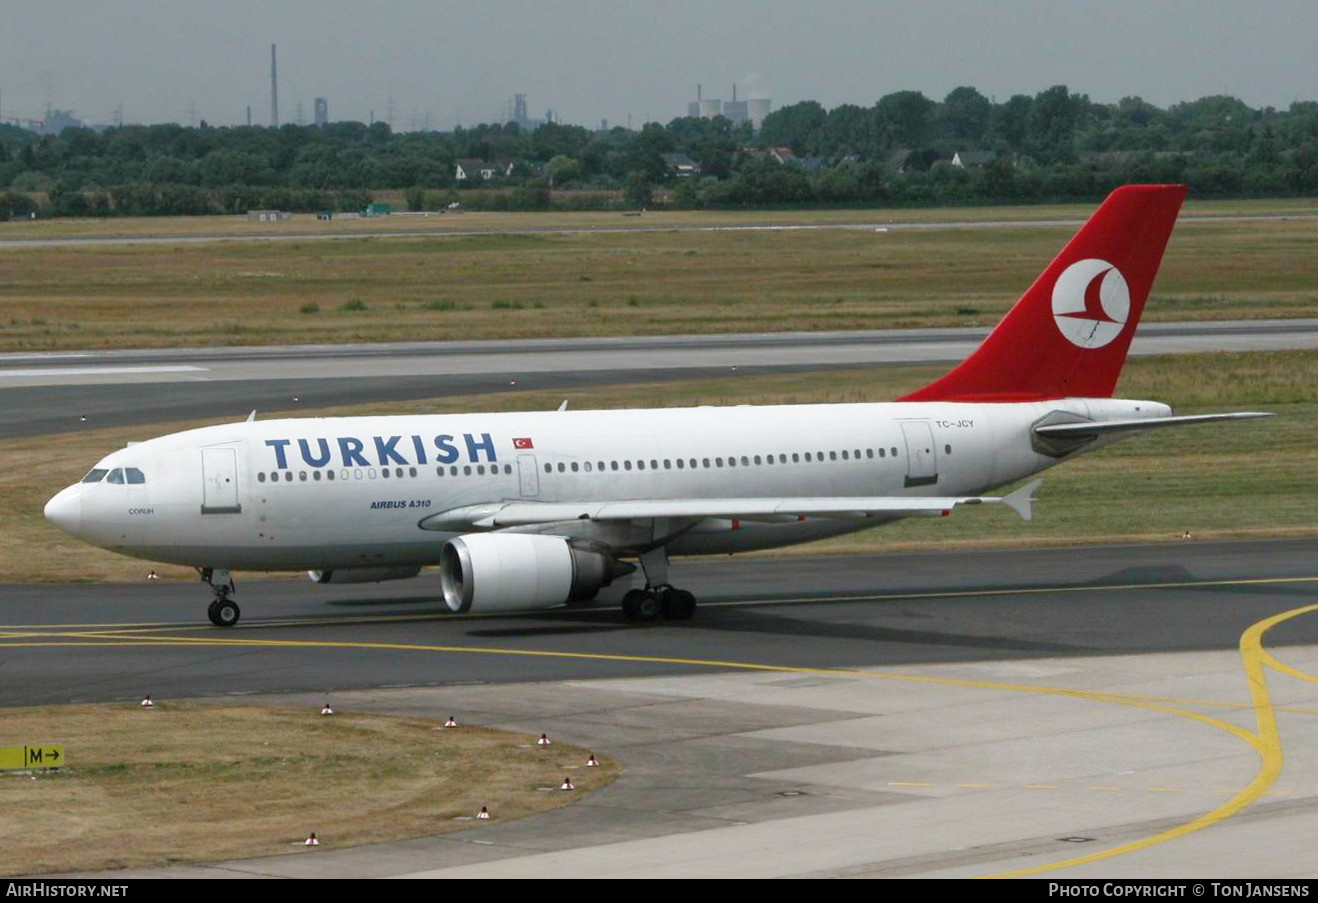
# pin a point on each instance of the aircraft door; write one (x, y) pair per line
(219, 481)
(529, 476)
(921, 458)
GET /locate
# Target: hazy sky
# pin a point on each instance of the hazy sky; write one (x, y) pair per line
(590, 59)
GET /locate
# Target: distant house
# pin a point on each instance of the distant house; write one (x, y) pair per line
(811, 164)
(471, 169)
(899, 161)
(783, 155)
(972, 159)
(681, 166)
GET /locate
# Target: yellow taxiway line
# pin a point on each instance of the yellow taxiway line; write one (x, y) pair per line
(1266, 742)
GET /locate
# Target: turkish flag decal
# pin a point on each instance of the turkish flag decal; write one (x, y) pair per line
(523, 443)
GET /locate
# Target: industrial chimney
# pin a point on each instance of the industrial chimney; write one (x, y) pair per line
(274, 90)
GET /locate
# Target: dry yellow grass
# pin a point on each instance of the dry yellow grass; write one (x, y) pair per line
(498, 286)
(1255, 479)
(190, 782)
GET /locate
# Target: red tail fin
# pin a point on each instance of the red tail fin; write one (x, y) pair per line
(1069, 333)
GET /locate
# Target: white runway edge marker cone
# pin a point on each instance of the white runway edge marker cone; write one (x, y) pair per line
(147, 703)
(312, 840)
(567, 784)
(327, 710)
(484, 814)
(452, 722)
(543, 741)
(592, 762)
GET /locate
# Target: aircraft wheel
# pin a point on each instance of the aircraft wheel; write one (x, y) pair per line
(224, 612)
(679, 605)
(641, 605)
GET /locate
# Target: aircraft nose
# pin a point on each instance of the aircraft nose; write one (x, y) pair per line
(65, 510)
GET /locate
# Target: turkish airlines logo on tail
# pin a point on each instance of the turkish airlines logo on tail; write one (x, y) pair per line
(1091, 303)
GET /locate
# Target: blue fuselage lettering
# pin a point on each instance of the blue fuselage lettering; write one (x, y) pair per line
(350, 450)
(448, 453)
(474, 448)
(281, 459)
(320, 460)
(385, 451)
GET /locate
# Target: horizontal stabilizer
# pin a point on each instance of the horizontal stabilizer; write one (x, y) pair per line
(769, 510)
(1105, 427)
(1022, 500)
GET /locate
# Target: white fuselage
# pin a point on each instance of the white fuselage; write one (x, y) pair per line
(350, 492)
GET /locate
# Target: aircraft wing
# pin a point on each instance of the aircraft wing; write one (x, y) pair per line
(1103, 427)
(520, 514)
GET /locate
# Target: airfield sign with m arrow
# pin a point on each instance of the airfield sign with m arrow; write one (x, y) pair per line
(47, 756)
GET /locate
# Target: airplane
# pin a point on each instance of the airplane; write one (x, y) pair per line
(528, 511)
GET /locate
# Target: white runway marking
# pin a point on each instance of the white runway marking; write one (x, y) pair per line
(99, 371)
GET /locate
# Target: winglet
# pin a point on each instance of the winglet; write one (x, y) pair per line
(563, 406)
(1022, 499)
(251, 418)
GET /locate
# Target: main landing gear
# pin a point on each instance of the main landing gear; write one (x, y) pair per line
(660, 602)
(659, 599)
(223, 611)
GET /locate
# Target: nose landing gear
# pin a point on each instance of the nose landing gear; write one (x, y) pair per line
(223, 611)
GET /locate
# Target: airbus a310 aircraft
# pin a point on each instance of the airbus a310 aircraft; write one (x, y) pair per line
(528, 511)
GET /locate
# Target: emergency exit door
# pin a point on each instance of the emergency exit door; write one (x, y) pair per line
(529, 476)
(921, 458)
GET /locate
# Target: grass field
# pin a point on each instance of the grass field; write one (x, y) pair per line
(188, 782)
(1250, 479)
(628, 283)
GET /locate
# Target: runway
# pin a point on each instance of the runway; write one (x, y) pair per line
(42, 394)
(828, 716)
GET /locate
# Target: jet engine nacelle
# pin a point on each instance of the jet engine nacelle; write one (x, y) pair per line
(522, 571)
(363, 575)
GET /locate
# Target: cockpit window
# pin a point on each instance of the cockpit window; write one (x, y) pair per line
(134, 475)
(95, 475)
(116, 476)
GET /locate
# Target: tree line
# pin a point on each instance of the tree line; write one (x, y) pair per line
(1056, 145)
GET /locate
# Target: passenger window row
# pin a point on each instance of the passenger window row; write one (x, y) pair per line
(345, 474)
(477, 469)
(370, 473)
(715, 463)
